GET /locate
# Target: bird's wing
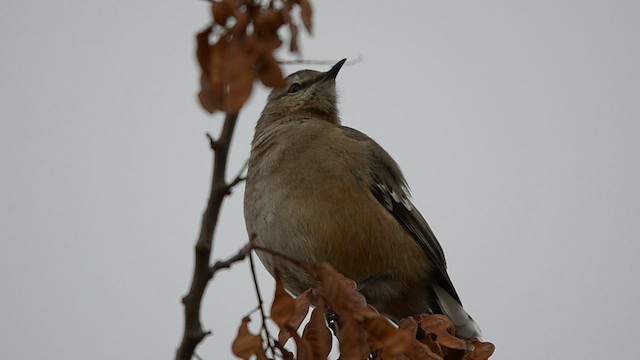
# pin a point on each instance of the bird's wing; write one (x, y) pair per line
(390, 188)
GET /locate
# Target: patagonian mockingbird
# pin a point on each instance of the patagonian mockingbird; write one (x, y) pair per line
(318, 191)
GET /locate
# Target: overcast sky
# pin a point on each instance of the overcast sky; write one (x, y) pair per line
(517, 124)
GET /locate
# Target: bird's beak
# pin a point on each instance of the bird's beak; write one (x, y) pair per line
(331, 74)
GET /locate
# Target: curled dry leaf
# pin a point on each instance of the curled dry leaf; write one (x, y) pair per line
(337, 290)
(244, 51)
(293, 42)
(352, 340)
(302, 304)
(306, 12)
(303, 348)
(283, 306)
(270, 73)
(246, 344)
(209, 95)
(481, 350)
(241, 76)
(317, 334)
(416, 350)
(442, 328)
(268, 21)
(242, 22)
(221, 12)
(384, 336)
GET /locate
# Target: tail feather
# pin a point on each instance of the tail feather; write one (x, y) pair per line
(466, 327)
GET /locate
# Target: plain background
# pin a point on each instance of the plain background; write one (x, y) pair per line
(516, 124)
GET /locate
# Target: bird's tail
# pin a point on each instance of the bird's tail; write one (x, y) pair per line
(466, 327)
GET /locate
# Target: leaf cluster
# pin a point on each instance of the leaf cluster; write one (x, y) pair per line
(238, 47)
(362, 332)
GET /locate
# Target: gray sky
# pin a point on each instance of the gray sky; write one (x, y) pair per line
(516, 124)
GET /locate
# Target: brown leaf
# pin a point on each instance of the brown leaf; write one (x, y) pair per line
(352, 340)
(317, 334)
(442, 328)
(306, 13)
(221, 12)
(247, 344)
(300, 313)
(303, 348)
(213, 81)
(293, 42)
(384, 336)
(268, 44)
(337, 290)
(481, 351)
(202, 54)
(242, 21)
(268, 21)
(283, 306)
(241, 77)
(419, 351)
(416, 350)
(286, 12)
(270, 73)
(202, 49)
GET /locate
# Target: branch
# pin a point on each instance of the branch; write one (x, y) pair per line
(225, 264)
(319, 62)
(202, 273)
(263, 316)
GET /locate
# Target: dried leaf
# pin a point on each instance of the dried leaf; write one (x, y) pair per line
(353, 340)
(410, 325)
(286, 12)
(384, 336)
(481, 350)
(202, 53)
(242, 21)
(221, 11)
(317, 334)
(270, 73)
(268, 44)
(337, 290)
(442, 328)
(268, 21)
(306, 13)
(241, 77)
(293, 42)
(416, 350)
(300, 313)
(213, 79)
(303, 348)
(247, 344)
(202, 49)
(283, 306)
(419, 351)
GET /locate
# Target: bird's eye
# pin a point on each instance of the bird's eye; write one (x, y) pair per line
(295, 87)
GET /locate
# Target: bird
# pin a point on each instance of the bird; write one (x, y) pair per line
(318, 191)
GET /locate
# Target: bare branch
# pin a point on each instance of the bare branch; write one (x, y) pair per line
(319, 62)
(225, 264)
(193, 332)
(263, 316)
(238, 179)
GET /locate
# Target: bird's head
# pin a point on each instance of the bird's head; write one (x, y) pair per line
(307, 93)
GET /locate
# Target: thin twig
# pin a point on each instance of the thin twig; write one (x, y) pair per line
(319, 62)
(225, 264)
(239, 177)
(263, 316)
